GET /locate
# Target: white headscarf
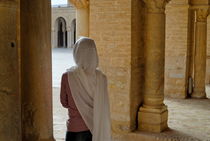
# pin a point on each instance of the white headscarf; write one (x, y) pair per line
(89, 89)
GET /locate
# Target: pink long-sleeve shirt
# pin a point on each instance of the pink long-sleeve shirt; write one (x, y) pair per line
(75, 123)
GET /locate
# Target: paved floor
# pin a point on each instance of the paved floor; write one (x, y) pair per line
(189, 119)
(62, 60)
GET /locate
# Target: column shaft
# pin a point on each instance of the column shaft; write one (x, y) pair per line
(82, 21)
(37, 124)
(200, 54)
(154, 60)
(69, 38)
(82, 17)
(153, 114)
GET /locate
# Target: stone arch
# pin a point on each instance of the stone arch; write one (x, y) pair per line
(61, 39)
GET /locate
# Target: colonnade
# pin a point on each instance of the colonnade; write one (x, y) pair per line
(153, 114)
(36, 71)
(68, 37)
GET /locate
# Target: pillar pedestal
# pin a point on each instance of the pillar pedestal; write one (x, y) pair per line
(200, 53)
(153, 115)
(153, 120)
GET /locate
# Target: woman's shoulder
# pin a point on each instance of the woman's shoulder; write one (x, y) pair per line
(70, 70)
(64, 75)
(99, 72)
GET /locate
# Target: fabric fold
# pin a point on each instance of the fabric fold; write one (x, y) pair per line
(89, 89)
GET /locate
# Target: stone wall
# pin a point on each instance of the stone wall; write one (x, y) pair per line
(176, 48)
(137, 58)
(10, 107)
(208, 52)
(112, 26)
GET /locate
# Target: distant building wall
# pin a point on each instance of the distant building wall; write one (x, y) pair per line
(68, 13)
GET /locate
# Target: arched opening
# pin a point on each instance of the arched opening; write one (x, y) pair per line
(61, 33)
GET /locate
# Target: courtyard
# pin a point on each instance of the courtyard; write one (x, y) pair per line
(189, 119)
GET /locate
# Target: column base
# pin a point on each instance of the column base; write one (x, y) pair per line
(198, 95)
(51, 139)
(153, 120)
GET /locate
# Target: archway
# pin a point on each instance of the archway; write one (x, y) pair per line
(61, 33)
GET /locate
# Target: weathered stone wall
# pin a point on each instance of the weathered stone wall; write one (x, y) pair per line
(176, 48)
(137, 58)
(208, 52)
(10, 113)
(112, 26)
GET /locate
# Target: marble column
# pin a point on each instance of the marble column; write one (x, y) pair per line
(10, 96)
(82, 17)
(36, 75)
(200, 52)
(69, 38)
(55, 41)
(153, 114)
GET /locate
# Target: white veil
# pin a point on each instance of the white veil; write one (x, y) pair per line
(89, 89)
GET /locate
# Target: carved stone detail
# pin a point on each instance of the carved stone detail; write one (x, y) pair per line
(156, 6)
(80, 3)
(202, 14)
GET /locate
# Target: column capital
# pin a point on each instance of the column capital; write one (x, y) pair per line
(202, 14)
(156, 6)
(80, 3)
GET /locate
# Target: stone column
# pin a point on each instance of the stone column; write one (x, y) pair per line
(82, 17)
(36, 77)
(69, 38)
(200, 52)
(55, 38)
(153, 114)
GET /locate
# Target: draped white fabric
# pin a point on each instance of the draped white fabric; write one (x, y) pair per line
(89, 89)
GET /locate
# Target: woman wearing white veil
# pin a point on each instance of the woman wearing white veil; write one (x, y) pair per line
(84, 93)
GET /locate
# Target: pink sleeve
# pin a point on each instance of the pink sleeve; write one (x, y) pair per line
(63, 93)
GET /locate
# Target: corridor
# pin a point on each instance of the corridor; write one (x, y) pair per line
(188, 118)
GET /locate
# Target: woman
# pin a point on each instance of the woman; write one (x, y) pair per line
(84, 93)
